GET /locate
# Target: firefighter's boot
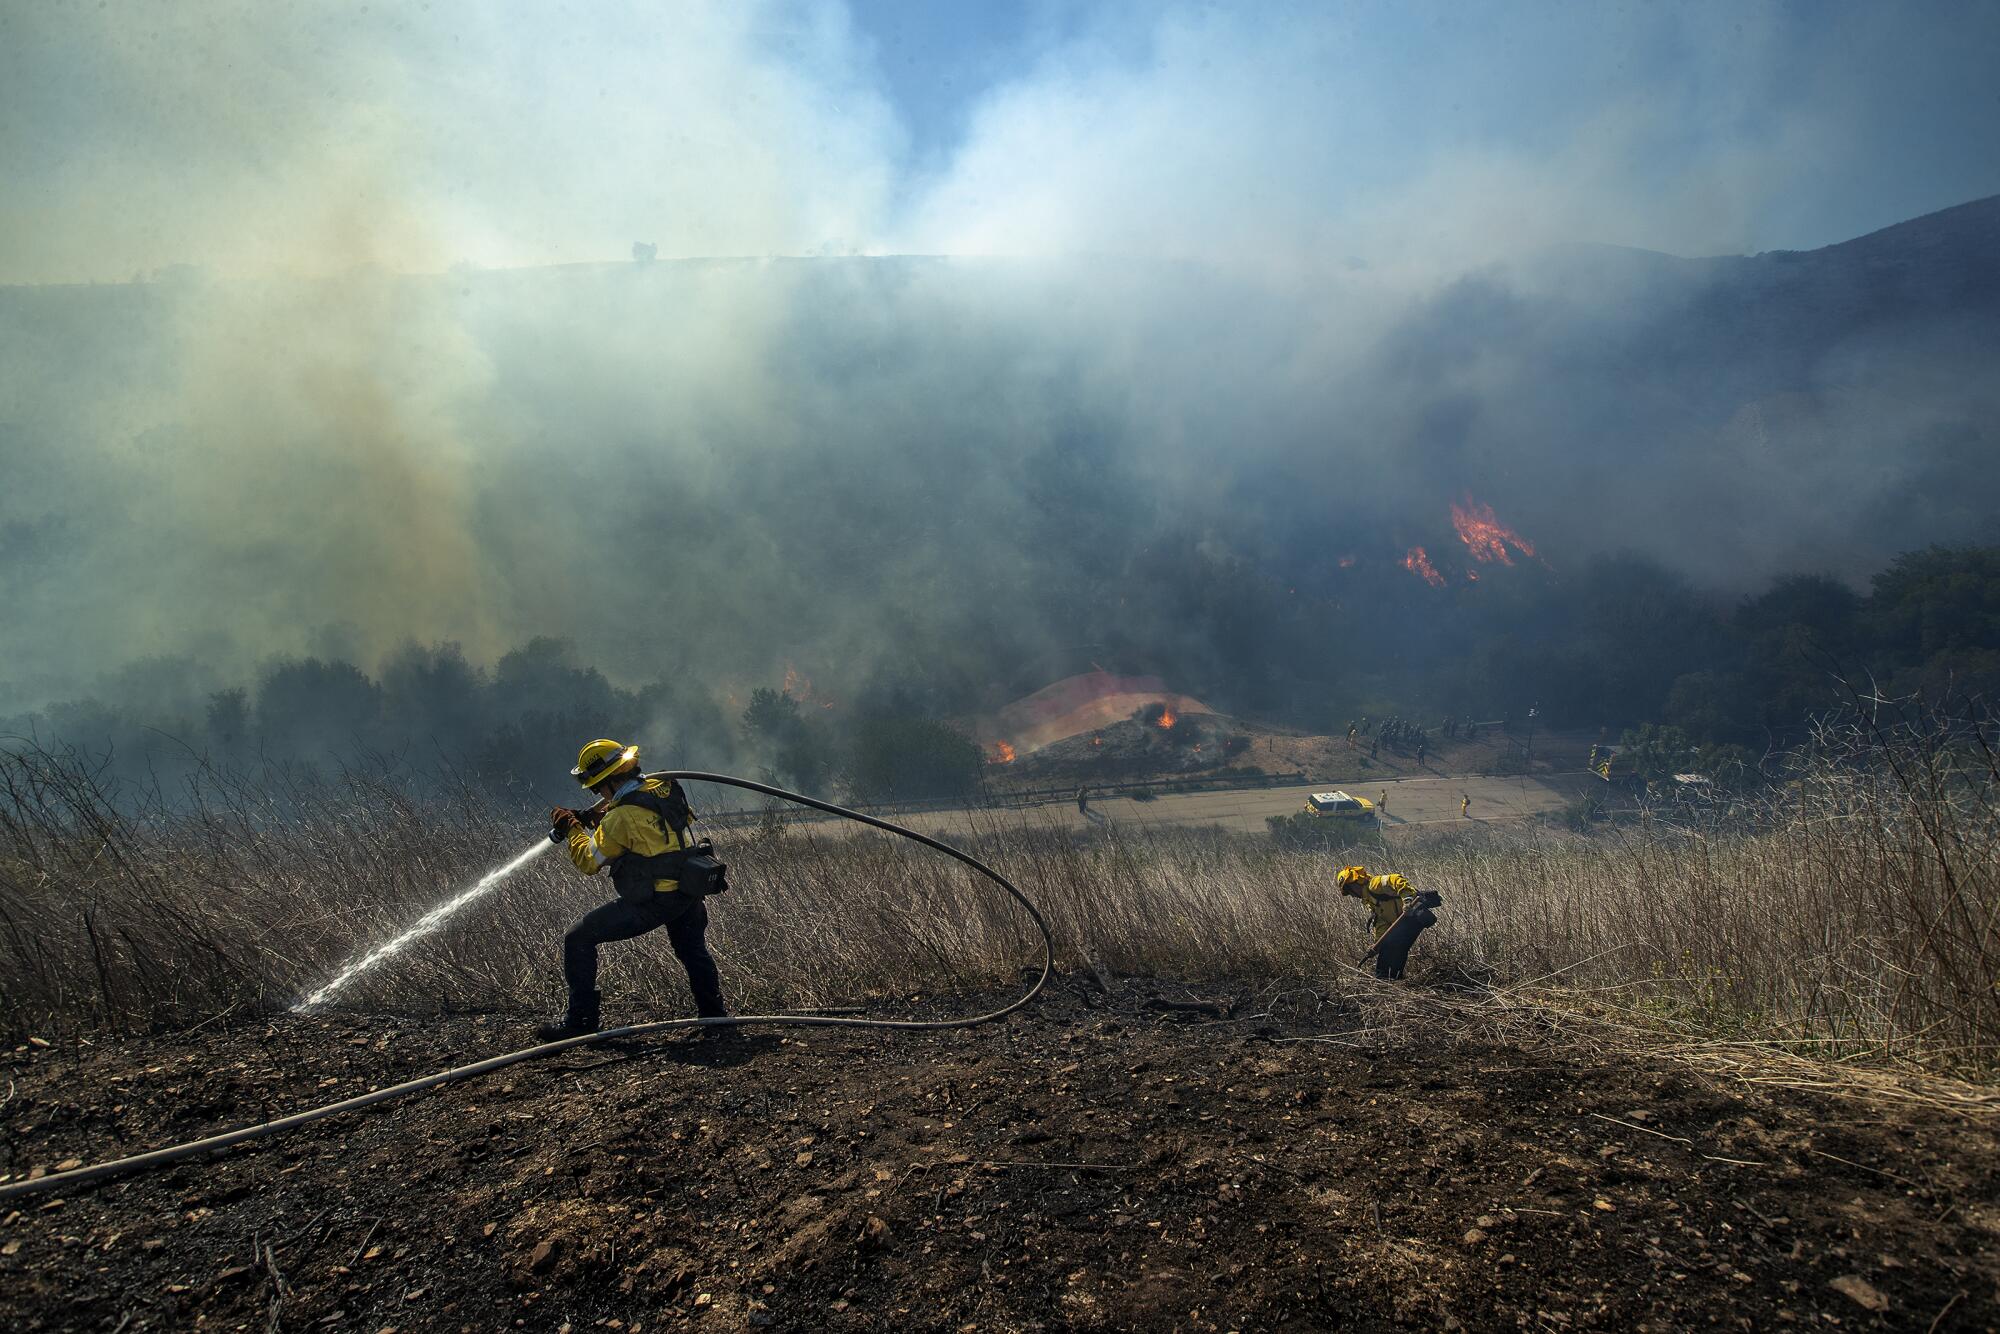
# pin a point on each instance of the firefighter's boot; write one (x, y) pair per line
(581, 1019)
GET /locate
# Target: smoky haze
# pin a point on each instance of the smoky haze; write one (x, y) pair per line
(324, 337)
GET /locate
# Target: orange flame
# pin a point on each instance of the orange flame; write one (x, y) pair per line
(1168, 717)
(1418, 562)
(800, 687)
(1097, 741)
(1002, 753)
(1485, 536)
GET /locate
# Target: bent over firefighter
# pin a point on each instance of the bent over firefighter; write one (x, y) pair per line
(1397, 915)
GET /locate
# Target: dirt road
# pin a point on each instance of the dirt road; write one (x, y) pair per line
(1411, 802)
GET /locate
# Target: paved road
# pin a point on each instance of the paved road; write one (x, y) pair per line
(1411, 802)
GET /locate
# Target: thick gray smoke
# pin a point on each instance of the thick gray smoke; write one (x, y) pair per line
(389, 375)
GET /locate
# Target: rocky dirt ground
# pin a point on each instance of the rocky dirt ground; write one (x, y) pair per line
(1366, 1161)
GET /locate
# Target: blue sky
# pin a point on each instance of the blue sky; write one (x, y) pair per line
(937, 60)
(247, 137)
(1906, 94)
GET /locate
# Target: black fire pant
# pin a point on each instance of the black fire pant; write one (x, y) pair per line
(683, 915)
(1392, 951)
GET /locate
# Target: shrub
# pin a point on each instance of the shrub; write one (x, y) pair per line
(895, 759)
(1305, 832)
(1851, 909)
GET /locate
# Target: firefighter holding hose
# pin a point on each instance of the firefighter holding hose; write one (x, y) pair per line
(1397, 915)
(639, 831)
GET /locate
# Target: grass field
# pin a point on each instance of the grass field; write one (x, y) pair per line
(1848, 910)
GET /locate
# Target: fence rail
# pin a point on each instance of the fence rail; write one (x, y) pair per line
(988, 798)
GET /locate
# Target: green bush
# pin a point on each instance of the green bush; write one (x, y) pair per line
(896, 759)
(1582, 813)
(1302, 832)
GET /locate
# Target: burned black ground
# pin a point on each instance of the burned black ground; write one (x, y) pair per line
(1365, 1161)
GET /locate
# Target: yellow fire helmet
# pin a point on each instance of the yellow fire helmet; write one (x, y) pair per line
(603, 759)
(1351, 877)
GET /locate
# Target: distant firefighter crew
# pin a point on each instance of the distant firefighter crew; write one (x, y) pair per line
(639, 831)
(1397, 915)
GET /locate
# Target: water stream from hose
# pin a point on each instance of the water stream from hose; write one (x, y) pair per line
(423, 926)
(72, 1178)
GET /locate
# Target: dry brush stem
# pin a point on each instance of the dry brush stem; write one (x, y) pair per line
(1848, 910)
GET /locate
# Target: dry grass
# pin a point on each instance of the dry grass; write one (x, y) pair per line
(1848, 913)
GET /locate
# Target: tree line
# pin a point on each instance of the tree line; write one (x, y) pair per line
(1619, 643)
(431, 715)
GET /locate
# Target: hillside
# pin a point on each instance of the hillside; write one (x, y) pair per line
(1724, 414)
(1007, 471)
(1077, 705)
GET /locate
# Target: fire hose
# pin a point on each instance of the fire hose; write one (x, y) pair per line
(175, 1153)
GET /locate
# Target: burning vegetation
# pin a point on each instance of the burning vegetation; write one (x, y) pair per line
(1003, 753)
(1418, 562)
(1486, 539)
(1485, 536)
(800, 687)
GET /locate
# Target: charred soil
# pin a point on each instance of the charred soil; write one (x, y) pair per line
(1296, 1160)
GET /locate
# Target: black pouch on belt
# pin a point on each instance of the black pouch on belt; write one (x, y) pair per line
(700, 872)
(703, 873)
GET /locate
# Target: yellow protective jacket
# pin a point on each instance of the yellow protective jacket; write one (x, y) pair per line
(624, 829)
(1386, 897)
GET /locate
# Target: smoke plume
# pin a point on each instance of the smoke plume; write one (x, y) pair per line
(324, 337)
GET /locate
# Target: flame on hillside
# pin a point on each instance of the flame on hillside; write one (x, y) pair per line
(1168, 717)
(800, 687)
(1002, 753)
(1485, 536)
(1418, 562)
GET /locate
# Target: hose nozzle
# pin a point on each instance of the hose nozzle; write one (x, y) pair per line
(562, 819)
